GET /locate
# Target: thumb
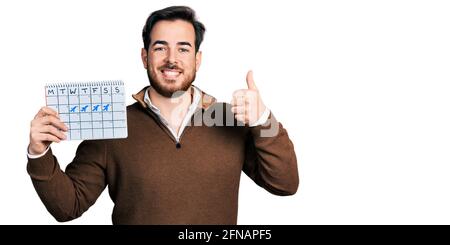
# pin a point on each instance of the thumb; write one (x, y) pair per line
(250, 82)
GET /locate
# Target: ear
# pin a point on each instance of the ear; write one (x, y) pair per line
(198, 60)
(144, 56)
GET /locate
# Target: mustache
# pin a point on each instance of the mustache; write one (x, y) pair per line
(170, 66)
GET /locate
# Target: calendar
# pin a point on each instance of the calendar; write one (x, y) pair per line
(91, 110)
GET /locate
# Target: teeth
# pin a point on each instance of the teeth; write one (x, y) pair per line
(171, 73)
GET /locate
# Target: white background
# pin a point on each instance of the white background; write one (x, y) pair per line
(361, 86)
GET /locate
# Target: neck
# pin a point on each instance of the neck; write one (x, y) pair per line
(172, 109)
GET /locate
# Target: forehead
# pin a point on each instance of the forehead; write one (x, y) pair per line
(173, 31)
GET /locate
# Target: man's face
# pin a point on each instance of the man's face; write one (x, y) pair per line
(171, 61)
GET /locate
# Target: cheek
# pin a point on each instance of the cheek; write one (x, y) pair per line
(190, 63)
(153, 64)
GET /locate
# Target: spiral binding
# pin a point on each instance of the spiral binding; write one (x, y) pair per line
(83, 84)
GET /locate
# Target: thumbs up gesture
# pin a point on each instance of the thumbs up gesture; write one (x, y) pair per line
(247, 104)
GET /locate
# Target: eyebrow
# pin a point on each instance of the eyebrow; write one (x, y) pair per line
(160, 42)
(184, 43)
(166, 43)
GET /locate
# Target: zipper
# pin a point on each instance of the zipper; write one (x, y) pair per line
(167, 130)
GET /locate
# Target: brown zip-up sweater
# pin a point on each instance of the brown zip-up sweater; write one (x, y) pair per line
(153, 180)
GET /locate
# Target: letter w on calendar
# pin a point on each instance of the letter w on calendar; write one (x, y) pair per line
(94, 110)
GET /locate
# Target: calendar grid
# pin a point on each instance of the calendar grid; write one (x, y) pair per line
(93, 110)
(103, 118)
(112, 115)
(90, 114)
(79, 108)
(70, 119)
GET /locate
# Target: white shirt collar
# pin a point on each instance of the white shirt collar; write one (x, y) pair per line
(191, 110)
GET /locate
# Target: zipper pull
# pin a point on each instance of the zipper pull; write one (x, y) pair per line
(178, 145)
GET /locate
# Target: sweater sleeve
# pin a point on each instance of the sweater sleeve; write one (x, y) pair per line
(270, 159)
(66, 195)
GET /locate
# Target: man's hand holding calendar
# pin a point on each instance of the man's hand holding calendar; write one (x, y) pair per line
(46, 127)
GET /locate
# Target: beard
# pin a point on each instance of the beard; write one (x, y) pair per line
(170, 91)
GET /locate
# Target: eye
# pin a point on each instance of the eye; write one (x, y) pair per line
(159, 49)
(184, 50)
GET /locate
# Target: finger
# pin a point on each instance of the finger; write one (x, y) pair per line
(238, 109)
(52, 120)
(239, 100)
(46, 111)
(47, 137)
(234, 101)
(240, 117)
(240, 93)
(250, 82)
(49, 129)
(49, 120)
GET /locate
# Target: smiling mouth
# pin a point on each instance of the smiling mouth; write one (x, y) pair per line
(170, 74)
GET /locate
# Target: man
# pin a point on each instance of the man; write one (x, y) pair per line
(171, 169)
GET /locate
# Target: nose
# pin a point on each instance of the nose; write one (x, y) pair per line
(171, 56)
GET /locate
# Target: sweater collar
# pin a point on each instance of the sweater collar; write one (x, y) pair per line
(206, 100)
